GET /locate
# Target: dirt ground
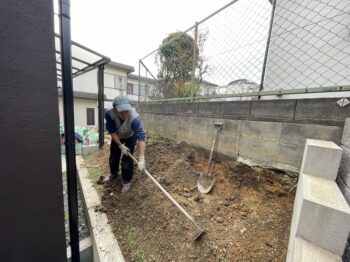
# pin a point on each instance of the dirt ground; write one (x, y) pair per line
(246, 216)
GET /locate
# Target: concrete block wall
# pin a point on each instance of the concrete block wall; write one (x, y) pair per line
(343, 178)
(267, 132)
(321, 215)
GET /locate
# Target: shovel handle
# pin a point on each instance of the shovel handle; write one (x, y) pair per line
(213, 147)
(167, 194)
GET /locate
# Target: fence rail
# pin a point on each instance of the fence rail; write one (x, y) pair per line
(253, 48)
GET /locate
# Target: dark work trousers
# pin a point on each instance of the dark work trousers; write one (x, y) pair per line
(127, 163)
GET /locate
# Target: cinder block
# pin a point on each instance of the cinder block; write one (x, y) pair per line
(305, 251)
(278, 109)
(236, 108)
(322, 216)
(211, 108)
(171, 108)
(150, 108)
(189, 108)
(321, 158)
(344, 168)
(346, 133)
(321, 109)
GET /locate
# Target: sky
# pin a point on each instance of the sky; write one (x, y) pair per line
(128, 30)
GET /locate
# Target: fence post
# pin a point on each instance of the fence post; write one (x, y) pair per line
(194, 59)
(273, 2)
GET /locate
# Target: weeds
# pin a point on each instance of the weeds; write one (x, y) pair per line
(94, 174)
(135, 251)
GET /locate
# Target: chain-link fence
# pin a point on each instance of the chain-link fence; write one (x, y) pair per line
(310, 45)
(253, 48)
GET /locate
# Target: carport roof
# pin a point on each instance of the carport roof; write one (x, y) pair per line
(83, 58)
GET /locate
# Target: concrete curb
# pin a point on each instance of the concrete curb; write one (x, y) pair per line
(105, 247)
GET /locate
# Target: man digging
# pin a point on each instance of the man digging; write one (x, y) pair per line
(126, 129)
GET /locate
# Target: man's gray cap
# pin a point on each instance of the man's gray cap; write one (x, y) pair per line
(121, 103)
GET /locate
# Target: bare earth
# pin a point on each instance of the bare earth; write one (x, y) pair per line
(246, 216)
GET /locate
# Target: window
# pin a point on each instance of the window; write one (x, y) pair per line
(130, 90)
(90, 116)
(136, 89)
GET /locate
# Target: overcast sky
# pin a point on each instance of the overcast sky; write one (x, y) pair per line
(128, 30)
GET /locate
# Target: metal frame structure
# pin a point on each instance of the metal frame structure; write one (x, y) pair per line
(100, 60)
(66, 70)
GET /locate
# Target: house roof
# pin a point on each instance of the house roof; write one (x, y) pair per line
(242, 81)
(133, 76)
(130, 69)
(208, 83)
(83, 95)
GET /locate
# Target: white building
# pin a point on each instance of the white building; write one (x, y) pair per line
(133, 87)
(118, 80)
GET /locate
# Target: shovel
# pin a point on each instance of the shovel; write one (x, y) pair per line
(206, 180)
(200, 232)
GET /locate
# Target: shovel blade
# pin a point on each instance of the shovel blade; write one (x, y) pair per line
(205, 183)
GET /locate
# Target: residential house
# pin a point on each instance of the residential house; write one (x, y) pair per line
(146, 84)
(85, 92)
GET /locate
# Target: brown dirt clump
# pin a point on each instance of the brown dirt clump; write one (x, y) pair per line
(246, 216)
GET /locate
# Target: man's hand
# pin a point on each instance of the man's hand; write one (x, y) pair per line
(142, 164)
(124, 149)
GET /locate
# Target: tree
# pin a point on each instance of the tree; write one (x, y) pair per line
(175, 58)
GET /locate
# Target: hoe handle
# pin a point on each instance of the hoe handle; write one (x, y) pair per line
(167, 194)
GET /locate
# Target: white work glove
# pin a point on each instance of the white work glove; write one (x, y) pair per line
(142, 164)
(124, 149)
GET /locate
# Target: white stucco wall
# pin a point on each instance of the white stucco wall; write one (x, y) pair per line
(310, 45)
(80, 115)
(88, 82)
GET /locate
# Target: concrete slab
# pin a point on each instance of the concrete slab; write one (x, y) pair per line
(324, 215)
(262, 130)
(297, 134)
(270, 152)
(87, 150)
(104, 244)
(321, 158)
(305, 251)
